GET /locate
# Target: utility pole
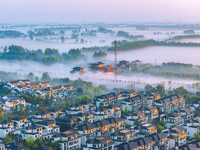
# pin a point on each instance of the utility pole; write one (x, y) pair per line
(115, 59)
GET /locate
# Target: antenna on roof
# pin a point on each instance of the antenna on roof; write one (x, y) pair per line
(115, 59)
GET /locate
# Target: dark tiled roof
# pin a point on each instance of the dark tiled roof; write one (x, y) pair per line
(86, 127)
(43, 147)
(43, 113)
(99, 140)
(19, 118)
(46, 123)
(54, 110)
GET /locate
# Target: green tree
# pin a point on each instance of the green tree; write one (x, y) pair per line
(188, 138)
(127, 125)
(5, 50)
(39, 141)
(1, 115)
(30, 142)
(31, 37)
(160, 128)
(7, 139)
(21, 113)
(80, 91)
(196, 136)
(162, 123)
(62, 39)
(126, 111)
(46, 77)
(148, 87)
(36, 79)
(137, 122)
(68, 103)
(20, 58)
(31, 76)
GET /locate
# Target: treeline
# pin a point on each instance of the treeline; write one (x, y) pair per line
(49, 56)
(104, 30)
(99, 54)
(151, 42)
(184, 37)
(126, 35)
(177, 65)
(10, 34)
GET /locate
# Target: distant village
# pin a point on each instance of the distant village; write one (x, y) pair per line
(112, 121)
(99, 66)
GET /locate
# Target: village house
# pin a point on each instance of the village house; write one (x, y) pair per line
(21, 122)
(151, 97)
(97, 66)
(192, 126)
(170, 103)
(87, 131)
(137, 115)
(106, 111)
(2, 146)
(15, 146)
(110, 98)
(42, 129)
(68, 140)
(15, 83)
(172, 119)
(128, 93)
(56, 113)
(122, 136)
(151, 112)
(84, 117)
(191, 145)
(186, 114)
(82, 107)
(144, 130)
(77, 70)
(102, 142)
(136, 62)
(6, 126)
(134, 103)
(123, 64)
(178, 133)
(42, 115)
(68, 121)
(10, 101)
(155, 141)
(35, 131)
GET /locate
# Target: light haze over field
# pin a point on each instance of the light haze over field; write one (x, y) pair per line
(79, 11)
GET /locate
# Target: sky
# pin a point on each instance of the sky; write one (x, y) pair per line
(93, 11)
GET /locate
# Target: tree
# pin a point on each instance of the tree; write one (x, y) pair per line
(45, 77)
(196, 136)
(148, 87)
(36, 79)
(55, 146)
(5, 50)
(20, 58)
(39, 141)
(117, 90)
(68, 103)
(126, 110)
(188, 138)
(21, 113)
(7, 139)
(137, 122)
(62, 39)
(31, 76)
(30, 142)
(31, 37)
(160, 128)
(80, 90)
(162, 123)
(127, 125)
(1, 115)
